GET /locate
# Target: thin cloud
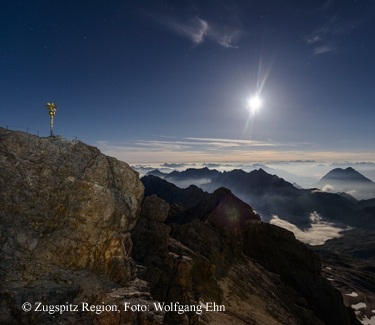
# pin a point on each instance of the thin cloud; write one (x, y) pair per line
(322, 38)
(224, 36)
(313, 39)
(327, 5)
(231, 142)
(195, 30)
(190, 149)
(324, 49)
(188, 143)
(199, 30)
(329, 36)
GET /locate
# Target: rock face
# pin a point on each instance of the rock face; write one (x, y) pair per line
(65, 220)
(349, 263)
(68, 204)
(177, 197)
(219, 251)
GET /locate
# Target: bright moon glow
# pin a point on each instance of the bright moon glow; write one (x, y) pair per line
(254, 103)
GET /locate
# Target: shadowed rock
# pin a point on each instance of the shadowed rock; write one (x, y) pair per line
(218, 251)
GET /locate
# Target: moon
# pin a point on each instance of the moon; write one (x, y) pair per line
(254, 103)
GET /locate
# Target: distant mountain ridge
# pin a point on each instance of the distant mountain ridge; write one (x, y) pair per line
(348, 174)
(345, 175)
(349, 181)
(271, 195)
(194, 173)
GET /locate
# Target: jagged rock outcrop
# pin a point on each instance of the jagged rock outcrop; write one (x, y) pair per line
(177, 197)
(219, 251)
(299, 267)
(65, 220)
(348, 262)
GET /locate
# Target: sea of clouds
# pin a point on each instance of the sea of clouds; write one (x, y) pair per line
(318, 233)
(304, 174)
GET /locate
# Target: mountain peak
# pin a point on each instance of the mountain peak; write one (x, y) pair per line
(345, 175)
(349, 181)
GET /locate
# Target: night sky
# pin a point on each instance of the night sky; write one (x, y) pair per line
(170, 81)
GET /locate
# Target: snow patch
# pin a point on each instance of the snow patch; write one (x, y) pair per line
(359, 305)
(367, 321)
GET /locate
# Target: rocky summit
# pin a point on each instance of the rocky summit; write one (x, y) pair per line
(65, 220)
(80, 243)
